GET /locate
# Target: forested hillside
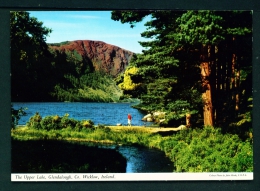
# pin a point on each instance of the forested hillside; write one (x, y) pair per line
(66, 71)
(102, 56)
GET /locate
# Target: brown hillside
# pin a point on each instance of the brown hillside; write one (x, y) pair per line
(109, 58)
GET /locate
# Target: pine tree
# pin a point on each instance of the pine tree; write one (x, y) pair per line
(196, 48)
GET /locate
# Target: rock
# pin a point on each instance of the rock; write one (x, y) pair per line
(161, 120)
(104, 57)
(182, 127)
(147, 116)
(149, 119)
(119, 124)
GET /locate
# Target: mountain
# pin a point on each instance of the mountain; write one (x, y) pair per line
(104, 57)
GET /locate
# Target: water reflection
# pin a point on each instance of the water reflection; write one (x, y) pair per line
(141, 159)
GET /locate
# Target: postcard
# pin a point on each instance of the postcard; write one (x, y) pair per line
(120, 95)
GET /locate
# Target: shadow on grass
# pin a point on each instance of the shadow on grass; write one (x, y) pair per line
(166, 133)
(50, 156)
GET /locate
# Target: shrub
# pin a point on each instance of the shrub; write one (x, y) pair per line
(87, 123)
(46, 123)
(78, 127)
(50, 122)
(68, 122)
(56, 123)
(56, 119)
(244, 158)
(210, 151)
(34, 121)
(16, 115)
(191, 150)
(104, 128)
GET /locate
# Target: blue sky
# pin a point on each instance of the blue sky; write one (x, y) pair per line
(91, 25)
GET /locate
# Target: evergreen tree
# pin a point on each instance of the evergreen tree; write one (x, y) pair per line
(209, 30)
(191, 48)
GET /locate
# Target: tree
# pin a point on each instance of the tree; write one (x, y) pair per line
(160, 70)
(29, 56)
(211, 30)
(199, 44)
(202, 29)
(16, 114)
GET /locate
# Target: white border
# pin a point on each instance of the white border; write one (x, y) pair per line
(45, 177)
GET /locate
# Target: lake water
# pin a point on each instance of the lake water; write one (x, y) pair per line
(143, 160)
(99, 113)
(139, 159)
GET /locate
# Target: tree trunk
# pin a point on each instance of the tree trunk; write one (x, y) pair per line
(213, 79)
(236, 74)
(206, 87)
(219, 84)
(188, 120)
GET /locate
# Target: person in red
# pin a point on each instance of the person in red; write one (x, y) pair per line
(129, 117)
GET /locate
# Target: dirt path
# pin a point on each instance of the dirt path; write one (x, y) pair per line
(148, 129)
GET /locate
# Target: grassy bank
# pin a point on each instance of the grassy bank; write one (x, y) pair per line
(191, 150)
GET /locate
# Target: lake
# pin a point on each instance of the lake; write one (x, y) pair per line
(139, 159)
(99, 113)
(142, 159)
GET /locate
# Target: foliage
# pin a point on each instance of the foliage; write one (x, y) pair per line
(127, 83)
(30, 57)
(208, 150)
(56, 122)
(26, 29)
(16, 114)
(203, 27)
(191, 150)
(174, 52)
(129, 16)
(59, 44)
(70, 76)
(161, 71)
(79, 82)
(242, 126)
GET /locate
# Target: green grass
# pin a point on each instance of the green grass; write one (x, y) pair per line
(192, 150)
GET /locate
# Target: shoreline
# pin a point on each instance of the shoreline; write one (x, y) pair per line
(142, 128)
(148, 129)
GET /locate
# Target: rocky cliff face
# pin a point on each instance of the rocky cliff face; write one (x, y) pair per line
(109, 58)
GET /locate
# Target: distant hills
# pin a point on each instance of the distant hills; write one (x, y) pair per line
(81, 70)
(105, 57)
(85, 70)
